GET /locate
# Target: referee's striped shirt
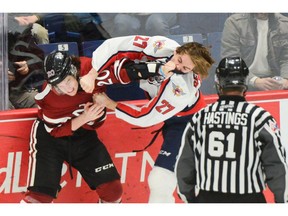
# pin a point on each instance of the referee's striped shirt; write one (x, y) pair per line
(232, 146)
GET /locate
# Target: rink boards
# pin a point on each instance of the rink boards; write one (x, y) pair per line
(120, 138)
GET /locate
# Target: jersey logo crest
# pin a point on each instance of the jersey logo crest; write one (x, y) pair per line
(177, 90)
(158, 45)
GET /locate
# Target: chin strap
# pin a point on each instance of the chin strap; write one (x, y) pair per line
(218, 89)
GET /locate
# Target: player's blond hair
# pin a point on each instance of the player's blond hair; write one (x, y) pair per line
(199, 55)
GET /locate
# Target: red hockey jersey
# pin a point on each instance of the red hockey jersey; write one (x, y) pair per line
(58, 110)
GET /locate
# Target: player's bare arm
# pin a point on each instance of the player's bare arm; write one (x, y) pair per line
(104, 100)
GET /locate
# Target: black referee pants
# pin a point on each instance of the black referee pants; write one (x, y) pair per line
(216, 197)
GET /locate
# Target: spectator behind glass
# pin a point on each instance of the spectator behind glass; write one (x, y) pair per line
(203, 23)
(87, 24)
(25, 71)
(261, 39)
(69, 27)
(38, 31)
(151, 24)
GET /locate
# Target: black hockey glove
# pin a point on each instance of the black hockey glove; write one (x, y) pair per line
(142, 70)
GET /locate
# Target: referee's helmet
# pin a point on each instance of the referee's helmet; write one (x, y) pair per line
(231, 72)
(57, 66)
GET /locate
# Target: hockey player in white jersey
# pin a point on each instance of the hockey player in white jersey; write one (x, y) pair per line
(174, 93)
(113, 54)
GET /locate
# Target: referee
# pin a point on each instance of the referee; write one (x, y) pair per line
(231, 149)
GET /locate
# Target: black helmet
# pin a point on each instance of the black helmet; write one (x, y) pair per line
(231, 72)
(57, 66)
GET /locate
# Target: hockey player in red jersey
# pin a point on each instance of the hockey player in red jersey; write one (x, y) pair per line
(174, 93)
(65, 131)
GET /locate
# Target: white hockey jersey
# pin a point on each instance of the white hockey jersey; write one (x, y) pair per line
(178, 95)
(135, 47)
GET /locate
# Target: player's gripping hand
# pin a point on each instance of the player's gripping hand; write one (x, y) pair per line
(168, 68)
(103, 99)
(87, 82)
(93, 111)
